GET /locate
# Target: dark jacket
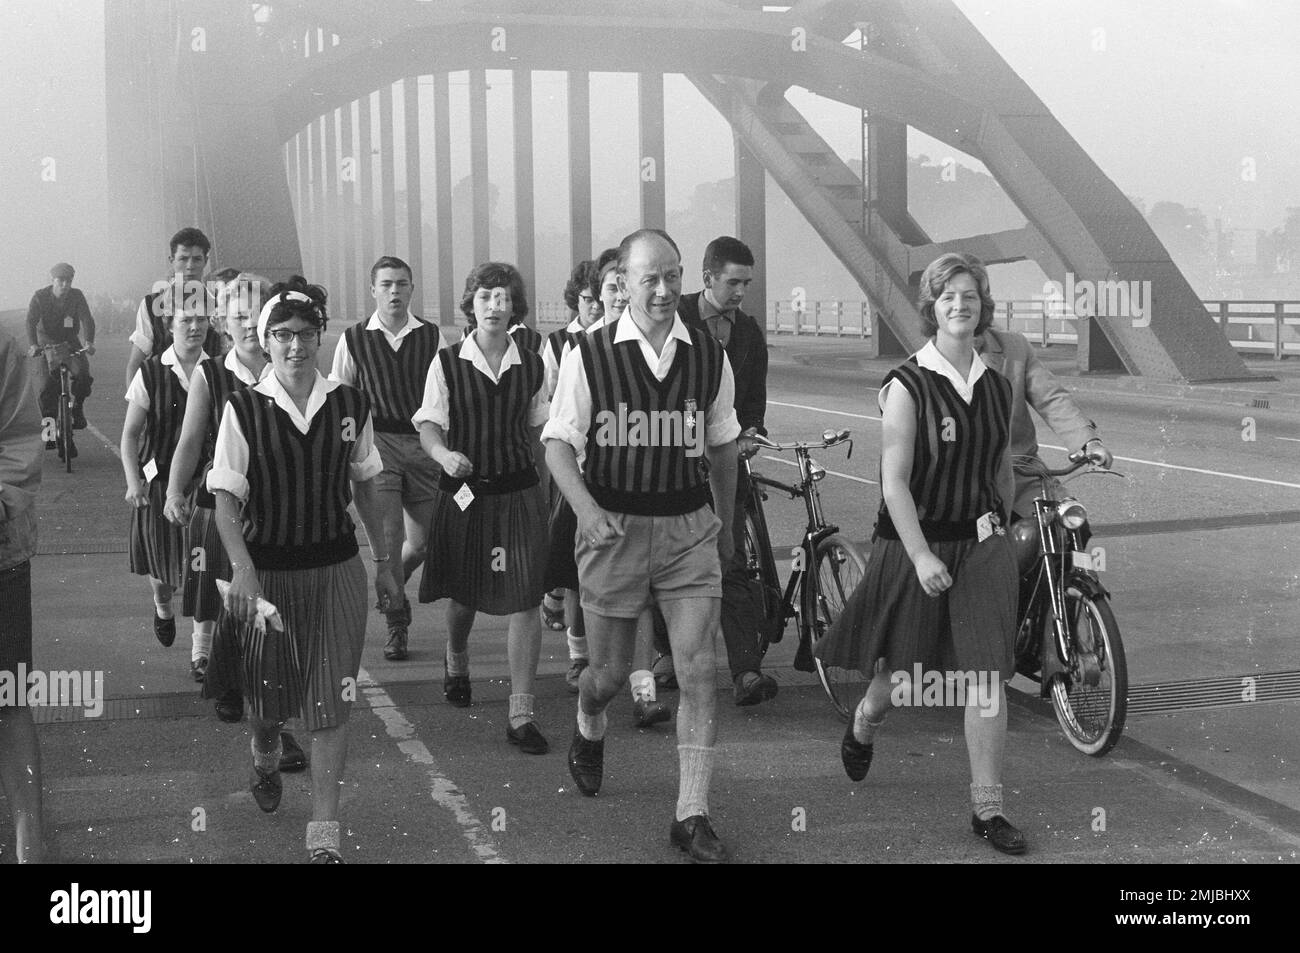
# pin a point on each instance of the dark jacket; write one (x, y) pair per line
(747, 352)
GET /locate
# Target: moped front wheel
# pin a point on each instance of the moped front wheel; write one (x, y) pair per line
(1090, 698)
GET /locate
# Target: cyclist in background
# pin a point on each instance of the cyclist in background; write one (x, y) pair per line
(57, 315)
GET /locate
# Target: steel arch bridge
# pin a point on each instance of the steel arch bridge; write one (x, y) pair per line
(211, 100)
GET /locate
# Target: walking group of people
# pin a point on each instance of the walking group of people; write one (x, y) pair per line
(599, 464)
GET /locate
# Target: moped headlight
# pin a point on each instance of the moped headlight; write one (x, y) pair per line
(1071, 514)
(815, 470)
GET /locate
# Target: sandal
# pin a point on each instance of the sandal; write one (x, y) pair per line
(553, 619)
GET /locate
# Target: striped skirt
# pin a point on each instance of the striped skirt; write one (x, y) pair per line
(205, 563)
(969, 628)
(310, 668)
(157, 548)
(561, 563)
(492, 556)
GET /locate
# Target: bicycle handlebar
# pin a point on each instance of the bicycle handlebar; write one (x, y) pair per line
(1078, 460)
(829, 439)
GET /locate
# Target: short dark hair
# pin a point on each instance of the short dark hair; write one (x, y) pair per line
(579, 281)
(189, 236)
(227, 274)
(942, 270)
(285, 309)
(608, 259)
(725, 250)
(496, 274)
(389, 261)
(626, 245)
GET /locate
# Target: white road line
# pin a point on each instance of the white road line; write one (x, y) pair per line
(117, 452)
(443, 790)
(847, 476)
(1048, 446)
(1288, 439)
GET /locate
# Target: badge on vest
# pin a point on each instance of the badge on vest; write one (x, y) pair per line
(68, 322)
(150, 471)
(464, 497)
(690, 406)
(990, 524)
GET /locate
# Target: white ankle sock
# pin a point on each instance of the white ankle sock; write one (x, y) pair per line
(521, 710)
(577, 646)
(863, 729)
(592, 727)
(323, 835)
(201, 641)
(986, 800)
(457, 662)
(696, 766)
(642, 683)
(164, 609)
(268, 761)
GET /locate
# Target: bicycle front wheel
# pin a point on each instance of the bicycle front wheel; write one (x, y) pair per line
(760, 566)
(65, 432)
(1092, 715)
(838, 568)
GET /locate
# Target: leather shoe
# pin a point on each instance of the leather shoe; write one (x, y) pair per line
(78, 418)
(695, 836)
(230, 706)
(648, 713)
(1000, 833)
(323, 855)
(395, 650)
(455, 688)
(587, 763)
(164, 630)
(292, 757)
(664, 673)
(574, 673)
(751, 688)
(528, 737)
(855, 755)
(266, 788)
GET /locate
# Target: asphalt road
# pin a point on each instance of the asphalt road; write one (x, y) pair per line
(1200, 550)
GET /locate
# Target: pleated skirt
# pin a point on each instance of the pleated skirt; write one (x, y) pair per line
(156, 547)
(490, 557)
(309, 669)
(205, 562)
(969, 628)
(561, 563)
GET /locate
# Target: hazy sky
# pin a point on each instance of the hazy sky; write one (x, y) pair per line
(1172, 98)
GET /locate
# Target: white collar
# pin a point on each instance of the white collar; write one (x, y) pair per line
(470, 351)
(171, 359)
(412, 323)
(240, 370)
(270, 386)
(575, 326)
(931, 359)
(628, 331)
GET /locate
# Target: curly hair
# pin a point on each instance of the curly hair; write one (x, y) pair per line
(579, 281)
(936, 276)
(495, 274)
(607, 262)
(312, 312)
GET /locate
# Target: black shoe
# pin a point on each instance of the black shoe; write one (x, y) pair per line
(648, 713)
(199, 668)
(323, 855)
(855, 755)
(664, 673)
(573, 674)
(528, 737)
(803, 657)
(695, 836)
(165, 630)
(395, 650)
(78, 418)
(51, 445)
(751, 688)
(292, 757)
(456, 690)
(230, 706)
(1000, 833)
(587, 763)
(266, 788)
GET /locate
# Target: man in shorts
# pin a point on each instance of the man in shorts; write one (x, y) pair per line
(387, 358)
(651, 404)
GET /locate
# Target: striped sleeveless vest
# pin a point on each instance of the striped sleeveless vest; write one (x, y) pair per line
(296, 516)
(221, 384)
(393, 380)
(489, 422)
(646, 439)
(160, 325)
(162, 431)
(956, 452)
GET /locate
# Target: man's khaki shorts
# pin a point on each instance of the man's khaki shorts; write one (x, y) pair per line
(658, 558)
(408, 470)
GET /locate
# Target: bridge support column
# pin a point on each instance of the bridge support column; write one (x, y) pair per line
(887, 200)
(478, 164)
(387, 187)
(351, 298)
(442, 188)
(579, 167)
(414, 195)
(1095, 352)
(751, 227)
(332, 273)
(366, 184)
(316, 193)
(525, 231)
(650, 96)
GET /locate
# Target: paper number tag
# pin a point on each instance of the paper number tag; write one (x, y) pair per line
(1082, 560)
(983, 527)
(68, 321)
(464, 497)
(150, 471)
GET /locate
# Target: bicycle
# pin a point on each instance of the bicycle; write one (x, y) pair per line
(1067, 639)
(826, 568)
(63, 415)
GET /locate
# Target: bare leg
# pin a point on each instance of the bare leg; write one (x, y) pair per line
(692, 624)
(20, 780)
(986, 735)
(329, 751)
(415, 546)
(524, 647)
(611, 642)
(460, 619)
